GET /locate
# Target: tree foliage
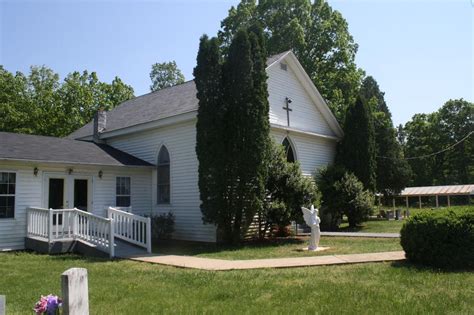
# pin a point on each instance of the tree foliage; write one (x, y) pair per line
(164, 75)
(357, 149)
(241, 145)
(209, 150)
(286, 190)
(38, 103)
(392, 171)
(427, 137)
(342, 194)
(317, 34)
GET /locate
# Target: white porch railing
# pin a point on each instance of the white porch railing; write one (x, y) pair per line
(71, 224)
(130, 227)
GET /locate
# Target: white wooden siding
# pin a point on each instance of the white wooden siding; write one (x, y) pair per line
(30, 192)
(180, 140)
(304, 115)
(311, 151)
(27, 193)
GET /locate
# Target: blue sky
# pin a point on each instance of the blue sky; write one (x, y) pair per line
(420, 52)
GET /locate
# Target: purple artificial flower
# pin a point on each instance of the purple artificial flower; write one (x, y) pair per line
(53, 304)
(48, 305)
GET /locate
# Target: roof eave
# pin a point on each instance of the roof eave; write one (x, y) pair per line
(74, 163)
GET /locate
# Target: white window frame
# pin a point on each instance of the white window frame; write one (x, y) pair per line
(158, 203)
(129, 195)
(11, 195)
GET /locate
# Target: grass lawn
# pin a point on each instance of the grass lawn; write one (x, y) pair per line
(387, 226)
(280, 247)
(374, 226)
(127, 287)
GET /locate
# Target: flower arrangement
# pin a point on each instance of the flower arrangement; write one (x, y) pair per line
(48, 305)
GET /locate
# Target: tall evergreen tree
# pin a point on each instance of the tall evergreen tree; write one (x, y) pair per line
(357, 150)
(245, 96)
(393, 172)
(209, 131)
(232, 132)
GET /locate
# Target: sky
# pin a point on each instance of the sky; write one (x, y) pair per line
(420, 52)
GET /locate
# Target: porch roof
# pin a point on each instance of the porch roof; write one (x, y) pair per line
(21, 147)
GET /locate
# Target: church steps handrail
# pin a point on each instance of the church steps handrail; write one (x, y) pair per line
(130, 227)
(71, 224)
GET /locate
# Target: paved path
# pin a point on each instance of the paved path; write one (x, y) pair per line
(360, 234)
(221, 264)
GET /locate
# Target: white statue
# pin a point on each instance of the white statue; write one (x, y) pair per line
(312, 220)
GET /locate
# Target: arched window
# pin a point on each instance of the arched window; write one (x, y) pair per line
(290, 154)
(163, 180)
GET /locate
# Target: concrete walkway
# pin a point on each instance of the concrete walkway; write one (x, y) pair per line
(221, 264)
(360, 234)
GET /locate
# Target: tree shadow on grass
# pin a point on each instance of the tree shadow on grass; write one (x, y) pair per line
(67, 256)
(190, 248)
(406, 264)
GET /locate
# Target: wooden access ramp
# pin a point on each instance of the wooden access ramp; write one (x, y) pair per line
(73, 230)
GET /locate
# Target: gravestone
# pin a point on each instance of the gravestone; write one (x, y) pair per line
(75, 291)
(3, 308)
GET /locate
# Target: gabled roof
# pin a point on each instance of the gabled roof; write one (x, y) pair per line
(181, 99)
(168, 102)
(290, 58)
(20, 147)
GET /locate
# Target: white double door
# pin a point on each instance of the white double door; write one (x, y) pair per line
(67, 191)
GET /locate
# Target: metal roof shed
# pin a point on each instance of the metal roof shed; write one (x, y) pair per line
(449, 190)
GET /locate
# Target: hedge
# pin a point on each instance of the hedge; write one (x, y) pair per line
(440, 238)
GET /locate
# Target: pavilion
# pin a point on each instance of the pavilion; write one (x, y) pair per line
(436, 191)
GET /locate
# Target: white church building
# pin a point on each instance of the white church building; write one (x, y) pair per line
(142, 155)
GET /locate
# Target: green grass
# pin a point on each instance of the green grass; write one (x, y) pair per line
(374, 226)
(127, 287)
(388, 226)
(274, 248)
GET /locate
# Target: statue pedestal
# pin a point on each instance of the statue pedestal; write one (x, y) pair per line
(319, 249)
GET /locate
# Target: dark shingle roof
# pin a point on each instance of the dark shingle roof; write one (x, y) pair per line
(164, 103)
(15, 146)
(168, 102)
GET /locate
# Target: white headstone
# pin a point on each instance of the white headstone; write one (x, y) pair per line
(3, 308)
(75, 291)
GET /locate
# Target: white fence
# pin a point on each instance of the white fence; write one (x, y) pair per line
(71, 224)
(132, 228)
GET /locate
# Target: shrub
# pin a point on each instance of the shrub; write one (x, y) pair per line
(342, 193)
(440, 238)
(286, 190)
(162, 226)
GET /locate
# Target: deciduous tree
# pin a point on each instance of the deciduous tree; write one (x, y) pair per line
(440, 145)
(40, 104)
(317, 34)
(164, 75)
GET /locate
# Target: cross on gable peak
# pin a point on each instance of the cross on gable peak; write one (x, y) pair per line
(288, 101)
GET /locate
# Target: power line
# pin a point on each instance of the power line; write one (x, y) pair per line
(431, 154)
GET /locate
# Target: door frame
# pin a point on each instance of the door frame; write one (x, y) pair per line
(68, 188)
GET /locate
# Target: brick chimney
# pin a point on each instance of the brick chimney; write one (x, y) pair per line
(100, 121)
